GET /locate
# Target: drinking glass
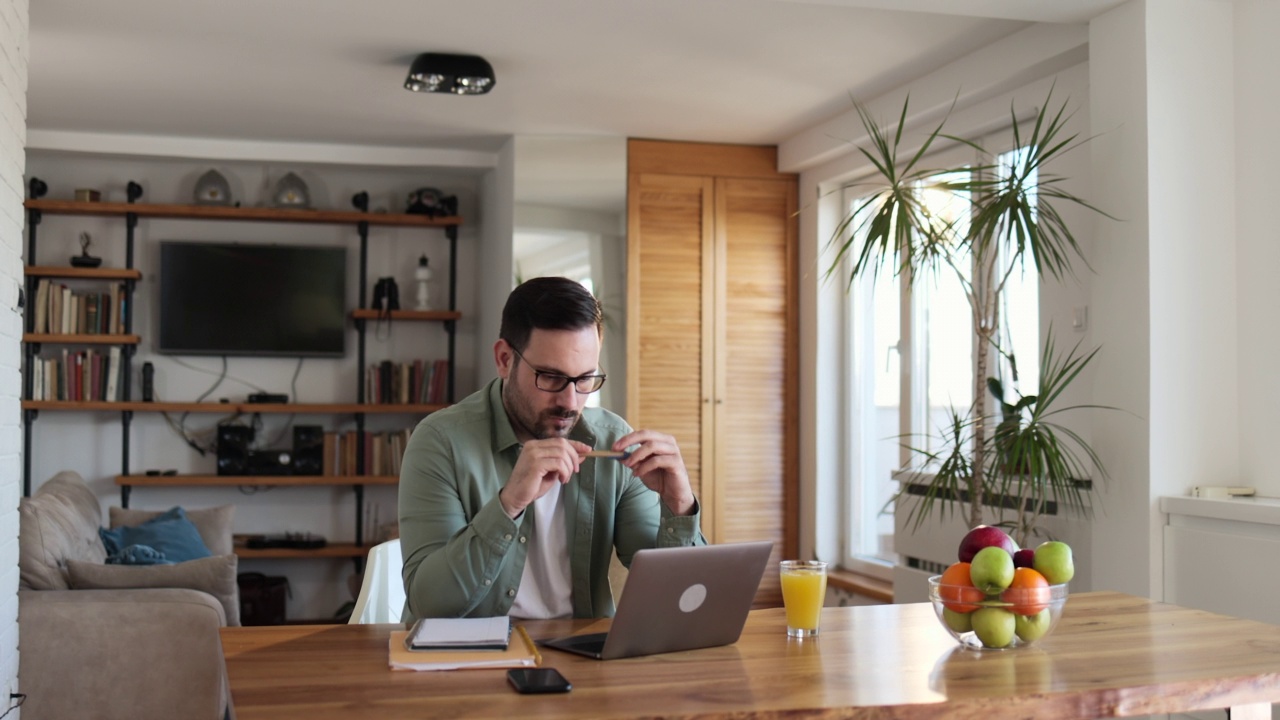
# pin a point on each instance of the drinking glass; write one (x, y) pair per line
(804, 586)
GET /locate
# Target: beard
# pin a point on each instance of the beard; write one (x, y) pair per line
(540, 424)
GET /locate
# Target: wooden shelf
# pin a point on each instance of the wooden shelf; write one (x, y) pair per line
(81, 339)
(219, 212)
(231, 408)
(332, 550)
(437, 315)
(237, 480)
(58, 271)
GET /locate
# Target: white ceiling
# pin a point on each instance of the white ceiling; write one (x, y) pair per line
(331, 71)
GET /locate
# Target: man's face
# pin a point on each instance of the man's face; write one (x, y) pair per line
(534, 413)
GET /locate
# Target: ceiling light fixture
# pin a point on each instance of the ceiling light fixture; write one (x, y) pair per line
(457, 74)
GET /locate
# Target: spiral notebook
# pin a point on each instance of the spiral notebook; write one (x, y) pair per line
(519, 653)
(482, 633)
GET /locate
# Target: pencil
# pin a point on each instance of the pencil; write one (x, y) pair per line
(615, 454)
(533, 647)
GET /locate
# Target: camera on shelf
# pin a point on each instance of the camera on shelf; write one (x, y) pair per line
(386, 296)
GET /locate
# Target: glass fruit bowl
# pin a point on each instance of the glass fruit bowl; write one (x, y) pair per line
(1014, 618)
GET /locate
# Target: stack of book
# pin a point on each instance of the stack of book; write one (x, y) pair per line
(58, 310)
(461, 643)
(77, 376)
(420, 381)
(383, 452)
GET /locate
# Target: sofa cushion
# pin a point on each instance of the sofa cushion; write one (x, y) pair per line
(59, 523)
(215, 575)
(170, 534)
(214, 524)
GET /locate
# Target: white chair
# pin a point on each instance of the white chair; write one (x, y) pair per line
(382, 591)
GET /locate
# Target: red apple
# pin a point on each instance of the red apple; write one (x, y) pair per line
(1024, 558)
(985, 536)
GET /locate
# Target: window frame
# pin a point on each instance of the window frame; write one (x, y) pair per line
(913, 378)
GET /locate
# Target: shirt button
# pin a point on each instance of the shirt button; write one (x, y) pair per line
(511, 592)
(523, 539)
(671, 531)
(488, 582)
(507, 536)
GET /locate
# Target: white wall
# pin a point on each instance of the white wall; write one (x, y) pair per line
(1162, 82)
(597, 238)
(90, 443)
(493, 284)
(14, 23)
(1257, 185)
(1121, 297)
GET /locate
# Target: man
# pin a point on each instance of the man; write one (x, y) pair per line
(501, 510)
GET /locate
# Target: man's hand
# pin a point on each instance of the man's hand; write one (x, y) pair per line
(658, 464)
(542, 463)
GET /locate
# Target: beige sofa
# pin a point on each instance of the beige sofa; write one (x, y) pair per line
(140, 653)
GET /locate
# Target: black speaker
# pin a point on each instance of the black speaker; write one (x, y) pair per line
(308, 450)
(270, 462)
(233, 449)
(148, 382)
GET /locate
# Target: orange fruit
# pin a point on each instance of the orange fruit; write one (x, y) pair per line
(1029, 592)
(957, 590)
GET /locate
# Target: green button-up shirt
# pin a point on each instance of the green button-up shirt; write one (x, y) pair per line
(463, 557)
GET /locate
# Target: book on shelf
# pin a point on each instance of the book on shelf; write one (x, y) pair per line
(42, 306)
(416, 382)
(383, 452)
(77, 376)
(59, 310)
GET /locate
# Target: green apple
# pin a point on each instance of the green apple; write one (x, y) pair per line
(957, 621)
(1053, 561)
(991, 570)
(994, 626)
(1031, 628)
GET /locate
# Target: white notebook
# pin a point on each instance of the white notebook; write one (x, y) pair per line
(490, 633)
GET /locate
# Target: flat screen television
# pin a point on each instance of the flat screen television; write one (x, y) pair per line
(246, 299)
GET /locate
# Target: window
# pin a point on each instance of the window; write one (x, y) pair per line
(909, 356)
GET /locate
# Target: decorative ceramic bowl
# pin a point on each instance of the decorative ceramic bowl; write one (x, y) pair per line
(1014, 618)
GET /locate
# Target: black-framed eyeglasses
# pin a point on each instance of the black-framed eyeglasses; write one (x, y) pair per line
(555, 382)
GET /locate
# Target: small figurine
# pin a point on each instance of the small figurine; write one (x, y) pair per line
(421, 275)
(84, 259)
(291, 192)
(213, 189)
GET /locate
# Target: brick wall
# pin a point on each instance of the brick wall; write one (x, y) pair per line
(14, 53)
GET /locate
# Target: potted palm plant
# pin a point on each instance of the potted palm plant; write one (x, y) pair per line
(1021, 460)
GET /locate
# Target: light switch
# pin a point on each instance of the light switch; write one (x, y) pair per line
(1080, 317)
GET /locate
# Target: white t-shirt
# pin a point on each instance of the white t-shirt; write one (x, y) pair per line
(545, 588)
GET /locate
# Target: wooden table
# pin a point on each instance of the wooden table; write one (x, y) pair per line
(1112, 655)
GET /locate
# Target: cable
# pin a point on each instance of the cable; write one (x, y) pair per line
(293, 384)
(20, 697)
(293, 394)
(221, 376)
(180, 426)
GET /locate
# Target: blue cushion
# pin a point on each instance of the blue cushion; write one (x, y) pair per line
(166, 538)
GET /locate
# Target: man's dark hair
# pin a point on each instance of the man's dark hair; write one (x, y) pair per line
(548, 303)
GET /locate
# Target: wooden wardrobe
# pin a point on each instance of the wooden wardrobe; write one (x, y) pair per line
(712, 331)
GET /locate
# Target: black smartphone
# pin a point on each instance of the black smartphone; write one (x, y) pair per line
(538, 680)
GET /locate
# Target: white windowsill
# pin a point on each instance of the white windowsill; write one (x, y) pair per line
(1262, 510)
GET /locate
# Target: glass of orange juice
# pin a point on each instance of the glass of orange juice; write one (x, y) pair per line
(804, 586)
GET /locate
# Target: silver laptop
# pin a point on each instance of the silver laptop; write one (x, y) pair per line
(679, 598)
